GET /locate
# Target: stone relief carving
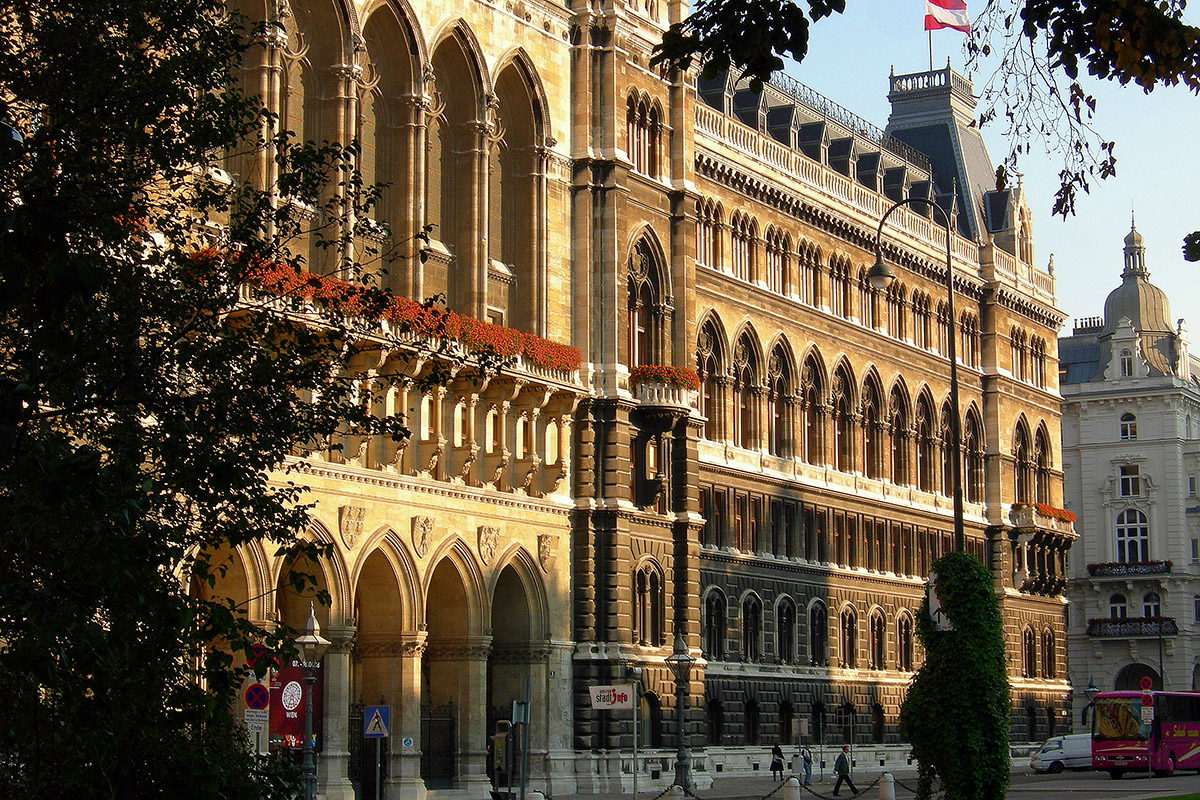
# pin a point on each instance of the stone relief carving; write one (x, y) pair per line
(489, 539)
(422, 535)
(350, 523)
(547, 550)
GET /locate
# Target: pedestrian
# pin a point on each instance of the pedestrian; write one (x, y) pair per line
(777, 761)
(841, 768)
(806, 758)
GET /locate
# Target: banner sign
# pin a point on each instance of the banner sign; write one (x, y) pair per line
(615, 698)
(288, 701)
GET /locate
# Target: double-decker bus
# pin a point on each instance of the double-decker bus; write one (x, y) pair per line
(1122, 743)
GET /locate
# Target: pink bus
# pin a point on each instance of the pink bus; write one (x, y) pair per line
(1122, 743)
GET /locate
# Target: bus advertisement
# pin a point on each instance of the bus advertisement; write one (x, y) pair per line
(1122, 742)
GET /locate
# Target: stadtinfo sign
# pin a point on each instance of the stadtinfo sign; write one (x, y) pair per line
(612, 697)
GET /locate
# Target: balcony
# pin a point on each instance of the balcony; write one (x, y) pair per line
(1132, 627)
(1038, 516)
(1118, 569)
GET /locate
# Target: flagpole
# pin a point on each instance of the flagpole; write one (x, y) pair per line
(930, 33)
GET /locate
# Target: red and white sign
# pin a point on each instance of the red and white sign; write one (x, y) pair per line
(947, 14)
(288, 699)
(615, 698)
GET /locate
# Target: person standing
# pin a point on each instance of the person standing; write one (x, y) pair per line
(841, 768)
(777, 761)
(806, 759)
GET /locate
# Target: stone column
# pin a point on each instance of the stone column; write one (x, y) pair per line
(333, 763)
(404, 763)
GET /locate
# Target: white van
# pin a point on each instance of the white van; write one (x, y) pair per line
(1063, 752)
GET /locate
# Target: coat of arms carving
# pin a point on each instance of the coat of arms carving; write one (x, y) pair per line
(350, 523)
(547, 550)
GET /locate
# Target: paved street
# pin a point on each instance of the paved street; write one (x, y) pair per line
(1025, 786)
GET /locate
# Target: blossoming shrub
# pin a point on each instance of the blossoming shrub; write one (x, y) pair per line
(682, 377)
(1060, 514)
(405, 316)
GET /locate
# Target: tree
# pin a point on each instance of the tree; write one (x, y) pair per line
(956, 711)
(1042, 46)
(163, 354)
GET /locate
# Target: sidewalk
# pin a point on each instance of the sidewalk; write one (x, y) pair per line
(754, 787)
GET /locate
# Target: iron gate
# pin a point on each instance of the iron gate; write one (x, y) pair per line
(437, 746)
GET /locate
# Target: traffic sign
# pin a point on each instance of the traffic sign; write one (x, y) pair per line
(1147, 683)
(375, 722)
(1147, 700)
(1147, 715)
(257, 696)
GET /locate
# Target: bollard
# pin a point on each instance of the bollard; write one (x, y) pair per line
(675, 792)
(887, 787)
(791, 789)
(536, 795)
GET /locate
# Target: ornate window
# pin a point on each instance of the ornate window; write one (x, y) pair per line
(648, 607)
(969, 351)
(866, 300)
(839, 286)
(708, 234)
(1117, 607)
(1126, 364)
(849, 639)
(779, 266)
(818, 635)
(1037, 361)
(943, 329)
(1133, 536)
(751, 629)
(921, 320)
(743, 231)
(904, 643)
(1041, 467)
(1029, 653)
(714, 626)
(1150, 605)
(898, 424)
(643, 132)
(808, 257)
(1049, 667)
(895, 310)
(814, 414)
(1128, 427)
(1018, 355)
(745, 382)
(780, 400)
(648, 310)
(872, 426)
(709, 369)
(785, 631)
(1023, 462)
(973, 460)
(926, 447)
(947, 451)
(1131, 481)
(878, 633)
(843, 423)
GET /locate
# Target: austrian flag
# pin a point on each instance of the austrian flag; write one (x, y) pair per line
(947, 14)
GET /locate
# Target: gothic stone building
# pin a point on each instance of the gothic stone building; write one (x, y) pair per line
(557, 525)
(1131, 454)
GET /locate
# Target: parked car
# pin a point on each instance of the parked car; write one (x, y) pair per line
(1063, 752)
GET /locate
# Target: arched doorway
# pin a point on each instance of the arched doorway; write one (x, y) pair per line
(508, 666)
(379, 670)
(1129, 679)
(446, 677)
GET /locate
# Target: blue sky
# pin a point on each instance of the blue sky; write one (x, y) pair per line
(1158, 155)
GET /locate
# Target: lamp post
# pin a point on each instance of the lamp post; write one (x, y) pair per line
(881, 276)
(312, 646)
(680, 662)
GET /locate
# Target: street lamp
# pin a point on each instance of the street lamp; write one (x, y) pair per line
(1091, 691)
(312, 646)
(881, 276)
(680, 663)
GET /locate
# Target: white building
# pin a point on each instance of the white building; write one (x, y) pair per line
(1131, 457)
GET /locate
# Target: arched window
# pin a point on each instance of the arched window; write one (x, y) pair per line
(751, 715)
(846, 714)
(1118, 608)
(1029, 653)
(779, 267)
(843, 423)
(1126, 364)
(814, 415)
(921, 320)
(1041, 467)
(1150, 605)
(714, 626)
(751, 629)
(651, 731)
(973, 460)
(714, 721)
(809, 259)
(849, 638)
(968, 352)
(785, 631)
(898, 441)
(947, 451)
(1133, 536)
(780, 400)
(926, 447)
(866, 300)
(1128, 427)
(648, 325)
(943, 329)
(1018, 357)
(643, 133)
(878, 641)
(904, 643)
(818, 635)
(872, 426)
(744, 232)
(708, 234)
(709, 368)
(1049, 667)
(1023, 462)
(895, 310)
(839, 286)
(1037, 361)
(648, 609)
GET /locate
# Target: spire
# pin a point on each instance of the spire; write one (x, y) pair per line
(1135, 253)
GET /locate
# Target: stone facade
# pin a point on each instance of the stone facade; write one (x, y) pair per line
(557, 528)
(1131, 450)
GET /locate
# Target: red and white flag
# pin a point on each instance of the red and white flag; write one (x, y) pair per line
(947, 14)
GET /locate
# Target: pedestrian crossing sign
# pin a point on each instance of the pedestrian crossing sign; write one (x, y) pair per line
(375, 722)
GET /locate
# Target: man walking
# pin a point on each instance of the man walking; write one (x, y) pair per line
(806, 759)
(841, 768)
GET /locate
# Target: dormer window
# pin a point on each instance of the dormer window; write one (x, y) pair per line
(1126, 364)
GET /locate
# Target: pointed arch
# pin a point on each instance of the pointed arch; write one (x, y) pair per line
(712, 366)
(455, 554)
(1043, 461)
(747, 377)
(874, 422)
(1022, 454)
(925, 435)
(899, 422)
(814, 394)
(843, 395)
(649, 301)
(388, 544)
(331, 575)
(973, 455)
(781, 394)
(523, 563)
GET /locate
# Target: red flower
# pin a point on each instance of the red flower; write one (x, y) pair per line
(682, 377)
